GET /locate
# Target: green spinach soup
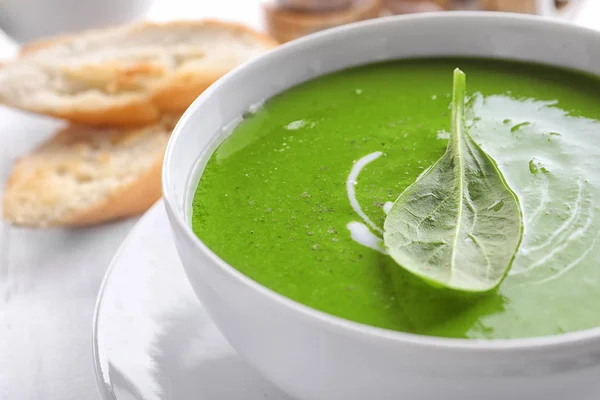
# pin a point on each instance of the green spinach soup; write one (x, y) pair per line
(296, 197)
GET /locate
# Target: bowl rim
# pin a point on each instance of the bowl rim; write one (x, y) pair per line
(178, 222)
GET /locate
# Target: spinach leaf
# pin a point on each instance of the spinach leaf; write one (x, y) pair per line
(459, 225)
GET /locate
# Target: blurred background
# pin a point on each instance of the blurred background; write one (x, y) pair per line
(49, 279)
(26, 20)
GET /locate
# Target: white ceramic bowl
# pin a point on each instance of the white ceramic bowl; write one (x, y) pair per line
(315, 356)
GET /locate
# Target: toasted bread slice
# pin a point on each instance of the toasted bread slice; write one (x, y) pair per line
(129, 75)
(86, 175)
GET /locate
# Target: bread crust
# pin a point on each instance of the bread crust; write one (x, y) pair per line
(123, 103)
(182, 89)
(126, 202)
(265, 39)
(34, 196)
(135, 113)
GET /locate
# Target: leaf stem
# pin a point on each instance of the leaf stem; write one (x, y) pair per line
(456, 139)
(459, 88)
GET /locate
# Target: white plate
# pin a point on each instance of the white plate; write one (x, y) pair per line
(152, 338)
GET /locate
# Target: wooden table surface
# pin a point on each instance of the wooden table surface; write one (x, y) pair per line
(49, 279)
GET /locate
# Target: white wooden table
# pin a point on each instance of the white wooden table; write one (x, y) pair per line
(49, 279)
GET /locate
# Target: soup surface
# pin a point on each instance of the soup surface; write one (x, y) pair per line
(296, 196)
